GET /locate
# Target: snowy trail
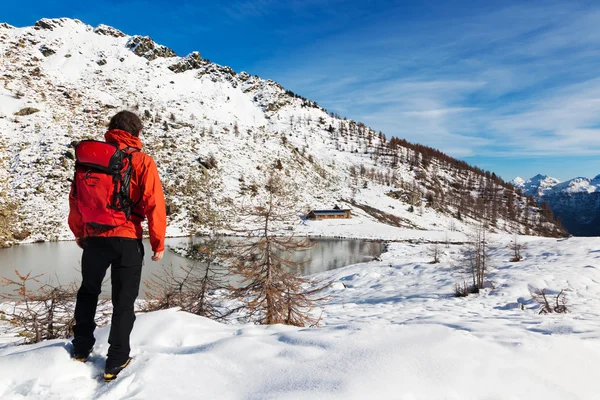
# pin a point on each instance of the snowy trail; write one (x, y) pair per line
(393, 332)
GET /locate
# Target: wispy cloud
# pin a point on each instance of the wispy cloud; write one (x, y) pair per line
(520, 80)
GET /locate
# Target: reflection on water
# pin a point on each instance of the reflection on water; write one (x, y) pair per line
(60, 261)
(326, 254)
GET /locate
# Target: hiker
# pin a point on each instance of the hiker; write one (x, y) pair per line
(108, 227)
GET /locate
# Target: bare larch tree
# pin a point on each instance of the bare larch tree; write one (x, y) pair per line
(271, 290)
(193, 287)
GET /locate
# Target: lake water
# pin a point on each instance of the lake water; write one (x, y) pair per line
(60, 261)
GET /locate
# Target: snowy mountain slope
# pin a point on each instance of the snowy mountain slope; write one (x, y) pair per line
(536, 186)
(576, 201)
(62, 80)
(391, 330)
(577, 185)
(541, 185)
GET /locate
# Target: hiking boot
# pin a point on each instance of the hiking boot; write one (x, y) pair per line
(110, 374)
(80, 356)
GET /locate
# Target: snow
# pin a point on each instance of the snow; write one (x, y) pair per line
(577, 185)
(518, 181)
(9, 104)
(391, 330)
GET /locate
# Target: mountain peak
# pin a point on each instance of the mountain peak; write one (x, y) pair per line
(539, 177)
(518, 182)
(537, 185)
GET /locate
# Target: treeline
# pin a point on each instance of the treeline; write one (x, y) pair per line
(442, 182)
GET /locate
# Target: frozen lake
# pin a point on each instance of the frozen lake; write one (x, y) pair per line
(60, 261)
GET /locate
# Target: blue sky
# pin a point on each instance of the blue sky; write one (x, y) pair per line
(511, 86)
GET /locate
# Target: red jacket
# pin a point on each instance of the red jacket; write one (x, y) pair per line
(145, 186)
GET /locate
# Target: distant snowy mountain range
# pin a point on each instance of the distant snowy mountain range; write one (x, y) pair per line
(576, 201)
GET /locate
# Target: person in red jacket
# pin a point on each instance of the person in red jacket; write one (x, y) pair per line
(120, 248)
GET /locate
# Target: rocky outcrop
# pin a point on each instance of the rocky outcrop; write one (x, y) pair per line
(144, 46)
(26, 111)
(52, 23)
(108, 31)
(192, 61)
(46, 51)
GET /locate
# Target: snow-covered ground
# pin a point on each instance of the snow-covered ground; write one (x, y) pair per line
(391, 330)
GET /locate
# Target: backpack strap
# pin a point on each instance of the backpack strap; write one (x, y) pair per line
(129, 152)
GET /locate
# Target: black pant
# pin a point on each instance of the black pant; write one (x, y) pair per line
(125, 256)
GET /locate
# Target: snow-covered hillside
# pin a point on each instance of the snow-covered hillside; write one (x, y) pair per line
(578, 185)
(62, 80)
(391, 330)
(576, 201)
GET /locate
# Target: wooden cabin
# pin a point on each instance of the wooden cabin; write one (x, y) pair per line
(335, 213)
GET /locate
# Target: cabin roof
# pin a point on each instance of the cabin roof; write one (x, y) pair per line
(329, 212)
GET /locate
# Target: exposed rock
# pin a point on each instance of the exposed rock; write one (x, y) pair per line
(46, 51)
(108, 31)
(51, 23)
(26, 111)
(192, 61)
(4, 25)
(101, 62)
(22, 235)
(44, 24)
(144, 46)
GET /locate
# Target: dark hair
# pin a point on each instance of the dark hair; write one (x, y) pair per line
(126, 121)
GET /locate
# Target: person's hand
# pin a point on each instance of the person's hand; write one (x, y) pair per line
(80, 241)
(158, 255)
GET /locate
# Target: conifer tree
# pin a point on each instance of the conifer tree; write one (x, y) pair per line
(271, 290)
